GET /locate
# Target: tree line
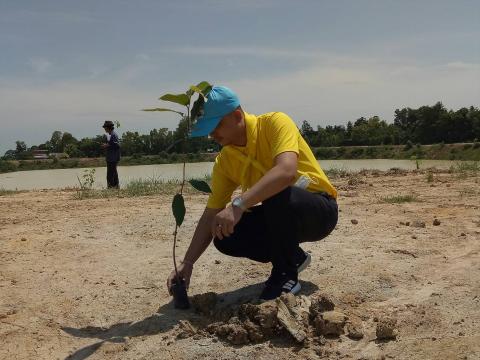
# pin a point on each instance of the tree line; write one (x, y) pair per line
(425, 125)
(157, 141)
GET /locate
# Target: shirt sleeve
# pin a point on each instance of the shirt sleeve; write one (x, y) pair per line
(222, 187)
(113, 142)
(283, 134)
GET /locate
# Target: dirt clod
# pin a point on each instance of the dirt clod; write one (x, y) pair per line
(321, 304)
(418, 224)
(386, 329)
(330, 323)
(204, 303)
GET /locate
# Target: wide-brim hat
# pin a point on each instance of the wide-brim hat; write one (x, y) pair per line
(108, 124)
(220, 101)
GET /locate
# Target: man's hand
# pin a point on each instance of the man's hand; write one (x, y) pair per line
(105, 145)
(184, 272)
(224, 222)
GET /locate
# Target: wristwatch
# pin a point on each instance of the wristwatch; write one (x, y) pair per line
(238, 202)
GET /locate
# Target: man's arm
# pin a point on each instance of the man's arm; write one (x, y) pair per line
(113, 142)
(200, 241)
(281, 175)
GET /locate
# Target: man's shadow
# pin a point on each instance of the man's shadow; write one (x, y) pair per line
(165, 319)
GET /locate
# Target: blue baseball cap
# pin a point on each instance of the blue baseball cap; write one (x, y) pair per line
(220, 101)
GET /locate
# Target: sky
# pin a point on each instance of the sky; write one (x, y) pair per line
(69, 65)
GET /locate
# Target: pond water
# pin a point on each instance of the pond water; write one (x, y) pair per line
(64, 178)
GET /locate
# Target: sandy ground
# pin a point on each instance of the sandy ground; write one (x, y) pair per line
(86, 279)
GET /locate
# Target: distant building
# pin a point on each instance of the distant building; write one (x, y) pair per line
(40, 154)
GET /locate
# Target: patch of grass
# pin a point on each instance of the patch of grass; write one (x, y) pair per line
(4, 192)
(138, 187)
(337, 173)
(399, 199)
(429, 177)
(465, 169)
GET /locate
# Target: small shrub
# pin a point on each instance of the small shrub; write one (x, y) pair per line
(464, 169)
(4, 192)
(408, 145)
(429, 177)
(7, 166)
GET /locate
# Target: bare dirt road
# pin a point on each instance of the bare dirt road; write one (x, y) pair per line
(86, 278)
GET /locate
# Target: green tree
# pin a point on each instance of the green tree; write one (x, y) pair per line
(55, 143)
(20, 147)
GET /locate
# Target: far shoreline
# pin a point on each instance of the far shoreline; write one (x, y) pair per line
(461, 151)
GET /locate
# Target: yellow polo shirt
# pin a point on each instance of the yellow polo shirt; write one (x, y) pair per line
(268, 135)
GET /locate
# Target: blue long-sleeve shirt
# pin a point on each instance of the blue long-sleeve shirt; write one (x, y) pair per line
(113, 149)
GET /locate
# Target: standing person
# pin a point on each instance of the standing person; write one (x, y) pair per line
(267, 156)
(112, 154)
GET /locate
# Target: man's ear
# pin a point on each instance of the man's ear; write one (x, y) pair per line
(238, 114)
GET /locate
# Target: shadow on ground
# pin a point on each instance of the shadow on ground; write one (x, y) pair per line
(163, 320)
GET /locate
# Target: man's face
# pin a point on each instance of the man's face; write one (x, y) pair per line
(227, 130)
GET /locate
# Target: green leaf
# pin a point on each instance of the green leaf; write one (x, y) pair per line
(178, 208)
(182, 99)
(202, 88)
(205, 87)
(163, 109)
(200, 185)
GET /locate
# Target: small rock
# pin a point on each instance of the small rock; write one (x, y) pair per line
(354, 221)
(330, 323)
(289, 323)
(386, 329)
(436, 222)
(24, 239)
(320, 304)
(463, 234)
(407, 223)
(217, 262)
(418, 224)
(186, 329)
(289, 299)
(354, 329)
(414, 237)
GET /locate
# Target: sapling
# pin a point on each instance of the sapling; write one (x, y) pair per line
(193, 111)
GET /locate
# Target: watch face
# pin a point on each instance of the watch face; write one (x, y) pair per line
(237, 202)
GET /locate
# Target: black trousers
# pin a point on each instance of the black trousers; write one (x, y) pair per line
(112, 174)
(272, 231)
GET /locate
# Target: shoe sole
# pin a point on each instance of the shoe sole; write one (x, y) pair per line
(296, 288)
(305, 264)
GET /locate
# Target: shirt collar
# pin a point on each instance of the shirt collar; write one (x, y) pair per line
(251, 129)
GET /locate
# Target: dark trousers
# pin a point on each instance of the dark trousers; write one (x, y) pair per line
(112, 174)
(272, 231)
